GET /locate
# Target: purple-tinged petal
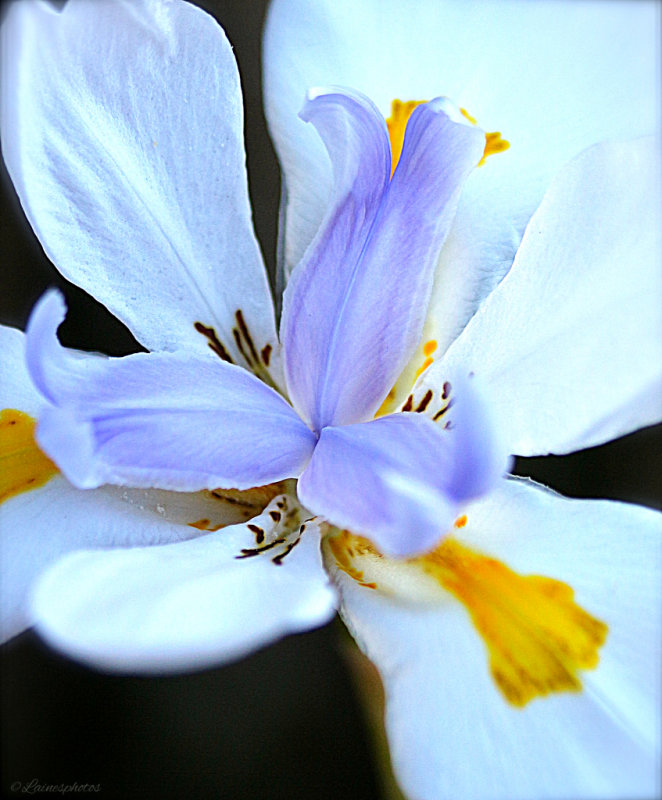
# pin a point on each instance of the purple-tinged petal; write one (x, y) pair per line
(354, 308)
(167, 420)
(400, 480)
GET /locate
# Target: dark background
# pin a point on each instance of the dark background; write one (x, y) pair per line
(285, 723)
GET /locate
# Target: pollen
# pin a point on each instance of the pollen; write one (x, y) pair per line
(23, 466)
(396, 124)
(537, 638)
(493, 141)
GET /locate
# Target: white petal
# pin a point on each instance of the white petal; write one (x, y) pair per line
(570, 343)
(40, 526)
(451, 732)
(553, 77)
(122, 131)
(186, 605)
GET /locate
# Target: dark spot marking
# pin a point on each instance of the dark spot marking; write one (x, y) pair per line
(233, 501)
(278, 560)
(214, 342)
(439, 413)
(275, 516)
(424, 402)
(248, 552)
(245, 333)
(409, 404)
(266, 354)
(446, 390)
(240, 344)
(259, 533)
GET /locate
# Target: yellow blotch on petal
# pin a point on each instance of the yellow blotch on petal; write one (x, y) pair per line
(536, 636)
(23, 466)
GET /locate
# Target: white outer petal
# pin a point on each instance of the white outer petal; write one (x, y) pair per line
(451, 732)
(183, 606)
(122, 131)
(569, 345)
(40, 526)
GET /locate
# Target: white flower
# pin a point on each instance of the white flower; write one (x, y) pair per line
(521, 655)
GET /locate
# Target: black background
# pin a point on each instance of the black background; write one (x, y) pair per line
(284, 723)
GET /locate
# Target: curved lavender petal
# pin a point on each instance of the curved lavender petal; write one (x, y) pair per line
(400, 480)
(168, 420)
(354, 308)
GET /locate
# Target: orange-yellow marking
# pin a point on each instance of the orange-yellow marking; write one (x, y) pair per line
(345, 546)
(428, 350)
(397, 123)
(536, 636)
(23, 466)
(205, 525)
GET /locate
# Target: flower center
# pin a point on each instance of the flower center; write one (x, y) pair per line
(23, 466)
